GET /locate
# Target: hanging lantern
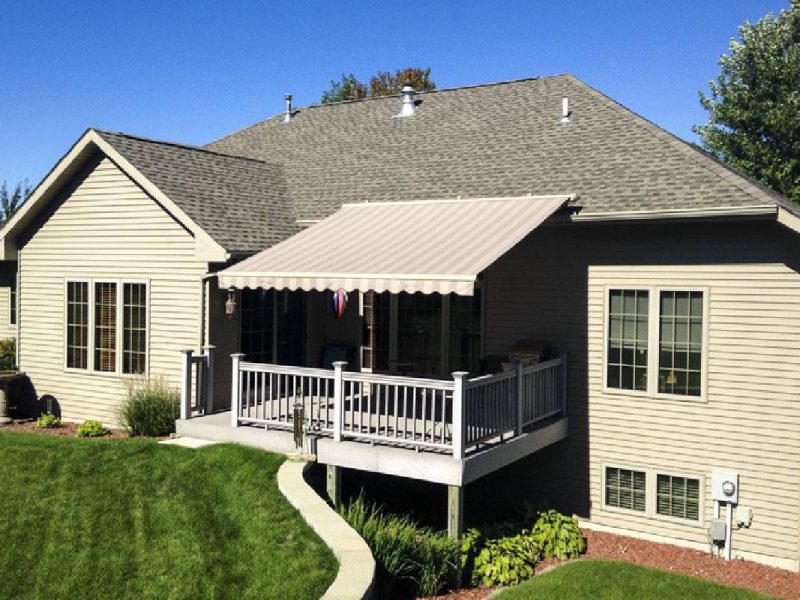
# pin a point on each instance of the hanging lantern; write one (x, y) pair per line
(339, 302)
(230, 303)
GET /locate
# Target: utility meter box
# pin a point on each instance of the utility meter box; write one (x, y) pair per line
(717, 529)
(725, 486)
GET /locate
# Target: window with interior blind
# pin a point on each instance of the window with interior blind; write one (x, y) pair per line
(680, 343)
(105, 326)
(678, 497)
(134, 328)
(626, 488)
(627, 339)
(77, 324)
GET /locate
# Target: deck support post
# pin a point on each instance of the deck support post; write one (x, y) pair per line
(338, 399)
(455, 519)
(186, 384)
(520, 396)
(209, 352)
(334, 484)
(458, 414)
(236, 389)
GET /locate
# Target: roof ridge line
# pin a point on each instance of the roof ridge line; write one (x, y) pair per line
(376, 98)
(179, 145)
(688, 149)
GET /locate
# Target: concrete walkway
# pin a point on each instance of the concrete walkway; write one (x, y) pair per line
(356, 564)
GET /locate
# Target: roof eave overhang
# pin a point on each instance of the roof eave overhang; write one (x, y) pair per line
(70, 163)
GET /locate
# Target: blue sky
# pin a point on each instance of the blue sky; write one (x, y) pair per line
(194, 71)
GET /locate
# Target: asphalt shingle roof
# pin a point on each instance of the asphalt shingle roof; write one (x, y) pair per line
(492, 140)
(242, 203)
(248, 189)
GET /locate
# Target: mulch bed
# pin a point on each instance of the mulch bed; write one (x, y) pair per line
(608, 546)
(741, 573)
(66, 429)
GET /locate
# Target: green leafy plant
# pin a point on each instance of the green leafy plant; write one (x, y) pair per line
(91, 429)
(411, 559)
(558, 535)
(48, 421)
(150, 408)
(8, 354)
(506, 561)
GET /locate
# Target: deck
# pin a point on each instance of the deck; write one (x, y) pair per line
(444, 431)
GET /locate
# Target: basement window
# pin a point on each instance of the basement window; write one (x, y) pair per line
(626, 488)
(678, 497)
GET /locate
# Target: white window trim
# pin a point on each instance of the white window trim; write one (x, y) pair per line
(653, 328)
(90, 362)
(651, 494)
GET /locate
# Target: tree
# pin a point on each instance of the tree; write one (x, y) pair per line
(754, 105)
(349, 88)
(10, 202)
(382, 84)
(386, 84)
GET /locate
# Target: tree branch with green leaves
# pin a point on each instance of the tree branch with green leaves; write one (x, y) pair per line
(754, 103)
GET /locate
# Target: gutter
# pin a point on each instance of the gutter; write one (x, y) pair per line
(759, 210)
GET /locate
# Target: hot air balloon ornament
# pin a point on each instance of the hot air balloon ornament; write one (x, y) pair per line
(339, 302)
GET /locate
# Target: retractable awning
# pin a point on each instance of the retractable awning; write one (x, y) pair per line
(425, 246)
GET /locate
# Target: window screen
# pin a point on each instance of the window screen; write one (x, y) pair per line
(627, 339)
(678, 497)
(626, 489)
(134, 328)
(77, 324)
(680, 343)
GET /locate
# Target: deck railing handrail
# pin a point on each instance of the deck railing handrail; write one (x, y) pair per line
(454, 415)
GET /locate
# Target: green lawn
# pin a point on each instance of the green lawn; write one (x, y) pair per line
(606, 580)
(82, 518)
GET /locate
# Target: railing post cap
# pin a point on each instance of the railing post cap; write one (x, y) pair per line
(340, 364)
(460, 374)
(209, 347)
(237, 355)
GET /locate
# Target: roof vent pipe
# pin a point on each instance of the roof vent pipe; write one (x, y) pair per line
(409, 108)
(287, 116)
(565, 110)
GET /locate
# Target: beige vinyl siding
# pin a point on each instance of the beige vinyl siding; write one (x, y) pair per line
(8, 272)
(552, 288)
(106, 228)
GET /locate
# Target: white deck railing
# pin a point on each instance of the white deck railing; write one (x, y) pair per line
(454, 415)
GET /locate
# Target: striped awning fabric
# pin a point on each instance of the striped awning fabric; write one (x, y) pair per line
(416, 246)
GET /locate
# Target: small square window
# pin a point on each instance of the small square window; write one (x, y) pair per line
(626, 488)
(678, 497)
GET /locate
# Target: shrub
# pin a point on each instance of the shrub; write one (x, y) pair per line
(150, 408)
(411, 559)
(505, 554)
(91, 429)
(48, 421)
(506, 561)
(558, 535)
(8, 354)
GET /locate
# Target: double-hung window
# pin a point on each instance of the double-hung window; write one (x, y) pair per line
(106, 326)
(654, 340)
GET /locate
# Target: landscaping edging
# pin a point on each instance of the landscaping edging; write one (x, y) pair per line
(356, 564)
